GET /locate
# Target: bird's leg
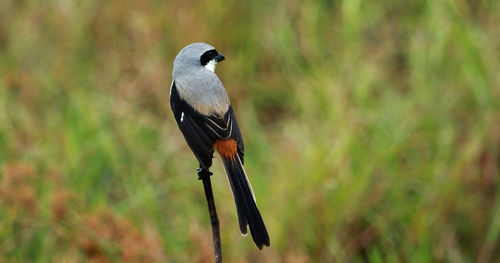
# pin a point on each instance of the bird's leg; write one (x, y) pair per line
(203, 173)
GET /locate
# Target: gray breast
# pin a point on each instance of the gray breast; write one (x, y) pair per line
(203, 90)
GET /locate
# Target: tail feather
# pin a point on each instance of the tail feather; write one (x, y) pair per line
(248, 213)
(238, 199)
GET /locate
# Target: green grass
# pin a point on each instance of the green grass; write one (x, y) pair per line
(372, 130)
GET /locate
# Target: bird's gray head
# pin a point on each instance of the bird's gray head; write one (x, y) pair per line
(197, 55)
(196, 82)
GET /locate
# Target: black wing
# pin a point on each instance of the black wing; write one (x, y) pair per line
(201, 131)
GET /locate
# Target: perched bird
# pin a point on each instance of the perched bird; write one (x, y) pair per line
(205, 117)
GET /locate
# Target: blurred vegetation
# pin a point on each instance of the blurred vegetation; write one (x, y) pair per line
(372, 130)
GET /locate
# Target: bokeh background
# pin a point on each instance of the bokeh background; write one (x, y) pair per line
(372, 130)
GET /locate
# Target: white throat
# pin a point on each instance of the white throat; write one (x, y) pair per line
(211, 65)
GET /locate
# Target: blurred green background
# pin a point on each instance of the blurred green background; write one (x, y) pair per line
(372, 130)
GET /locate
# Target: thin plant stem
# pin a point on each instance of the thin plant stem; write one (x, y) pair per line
(214, 220)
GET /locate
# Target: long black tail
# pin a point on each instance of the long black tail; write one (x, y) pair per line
(248, 213)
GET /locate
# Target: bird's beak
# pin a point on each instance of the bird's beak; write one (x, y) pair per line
(219, 57)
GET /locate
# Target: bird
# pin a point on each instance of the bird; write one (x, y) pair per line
(204, 114)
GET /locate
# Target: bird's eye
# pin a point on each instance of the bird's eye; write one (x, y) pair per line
(207, 56)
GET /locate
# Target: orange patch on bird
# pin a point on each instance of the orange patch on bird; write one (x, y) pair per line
(226, 148)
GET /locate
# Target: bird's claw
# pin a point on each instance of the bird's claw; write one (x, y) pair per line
(203, 173)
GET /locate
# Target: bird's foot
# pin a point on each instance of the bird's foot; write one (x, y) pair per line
(203, 173)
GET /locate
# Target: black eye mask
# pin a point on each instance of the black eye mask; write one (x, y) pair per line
(207, 56)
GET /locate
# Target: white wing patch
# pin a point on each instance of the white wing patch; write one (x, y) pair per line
(182, 116)
(211, 65)
(171, 85)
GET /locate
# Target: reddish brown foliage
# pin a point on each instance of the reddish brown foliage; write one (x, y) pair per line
(15, 189)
